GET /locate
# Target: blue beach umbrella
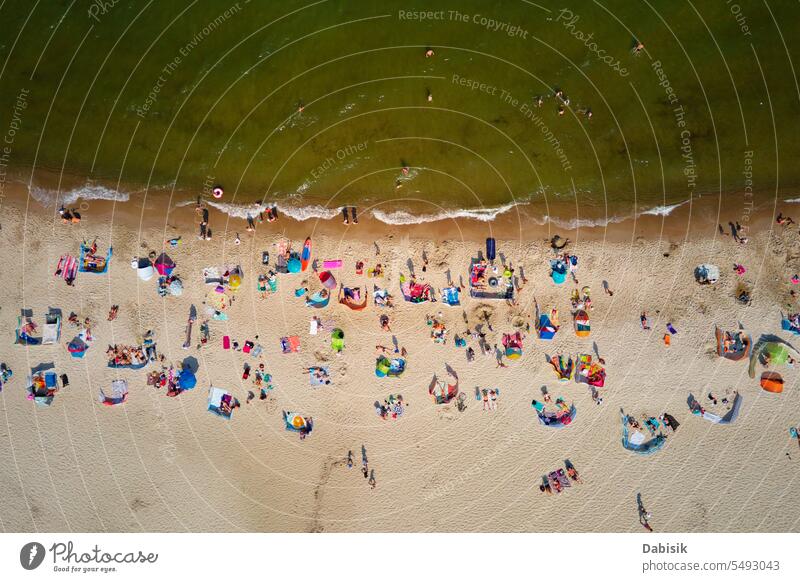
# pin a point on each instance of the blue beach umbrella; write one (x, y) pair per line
(294, 265)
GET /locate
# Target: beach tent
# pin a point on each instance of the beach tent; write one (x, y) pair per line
(582, 327)
(297, 423)
(557, 419)
(24, 332)
(349, 297)
(558, 271)
(450, 296)
(729, 417)
(337, 339)
(220, 402)
(487, 282)
(733, 345)
(706, 274)
(589, 372)
(563, 367)
(51, 331)
(43, 384)
(328, 280)
(91, 263)
(772, 382)
(392, 368)
(513, 345)
(545, 328)
(117, 394)
(416, 292)
(771, 353)
(319, 299)
(637, 441)
(144, 268)
(441, 391)
(186, 379)
(164, 265)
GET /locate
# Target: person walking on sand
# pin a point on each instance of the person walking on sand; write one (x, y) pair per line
(349, 459)
(364, 462)
(643, 319)
(644, 515)
(372, 481)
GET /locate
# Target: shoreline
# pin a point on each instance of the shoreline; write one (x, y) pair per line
(698, 216)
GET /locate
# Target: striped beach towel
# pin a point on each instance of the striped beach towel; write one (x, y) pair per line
(67, 267)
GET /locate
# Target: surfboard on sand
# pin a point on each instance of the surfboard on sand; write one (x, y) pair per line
(305, 257)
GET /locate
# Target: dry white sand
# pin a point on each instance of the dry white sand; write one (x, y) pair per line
(166, 464)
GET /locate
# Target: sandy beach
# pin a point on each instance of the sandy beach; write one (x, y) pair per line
(157, 463)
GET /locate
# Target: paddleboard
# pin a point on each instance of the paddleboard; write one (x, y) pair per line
(305, 257)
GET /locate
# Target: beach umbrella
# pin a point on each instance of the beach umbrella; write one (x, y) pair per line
(294, 265)
(187, 380)
(164, 265)
(327, 279)
(234, 282)
(777, 353)
(337, 339)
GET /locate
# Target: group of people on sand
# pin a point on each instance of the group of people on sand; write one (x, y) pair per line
(120, 355)
(556, 481)
(69, 216)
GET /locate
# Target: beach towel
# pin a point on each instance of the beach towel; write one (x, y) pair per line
(220, 403)
(67, 268)
(450, 296)
(290, 344)
(319, 376)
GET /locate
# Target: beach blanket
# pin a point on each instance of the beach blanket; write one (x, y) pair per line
(91, 263)
(67, 268)
(319, 376)
(290, 344)
(220, 403)
(450, 296)
(416, 292)
(557, 419)
(381, 297)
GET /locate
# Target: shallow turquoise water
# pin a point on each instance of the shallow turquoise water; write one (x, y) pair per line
(161, 93)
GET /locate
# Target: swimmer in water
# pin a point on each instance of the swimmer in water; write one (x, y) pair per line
(429, 53)
(430, 96)
(300, 106)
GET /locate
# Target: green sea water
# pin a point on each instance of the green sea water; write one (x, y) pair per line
(154, 94)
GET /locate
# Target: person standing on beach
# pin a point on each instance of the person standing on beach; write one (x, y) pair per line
(644, 515)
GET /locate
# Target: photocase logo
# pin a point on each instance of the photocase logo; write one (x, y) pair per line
(31, 555)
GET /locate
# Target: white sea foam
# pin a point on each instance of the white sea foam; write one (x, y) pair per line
(792, 201)
(47, 197)
(299, 213)
(664, 210)
(404, 217)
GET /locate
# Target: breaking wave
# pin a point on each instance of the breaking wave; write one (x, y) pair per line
(48, 197)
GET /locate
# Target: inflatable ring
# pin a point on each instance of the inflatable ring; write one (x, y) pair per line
(492, 281)
(218, 191)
